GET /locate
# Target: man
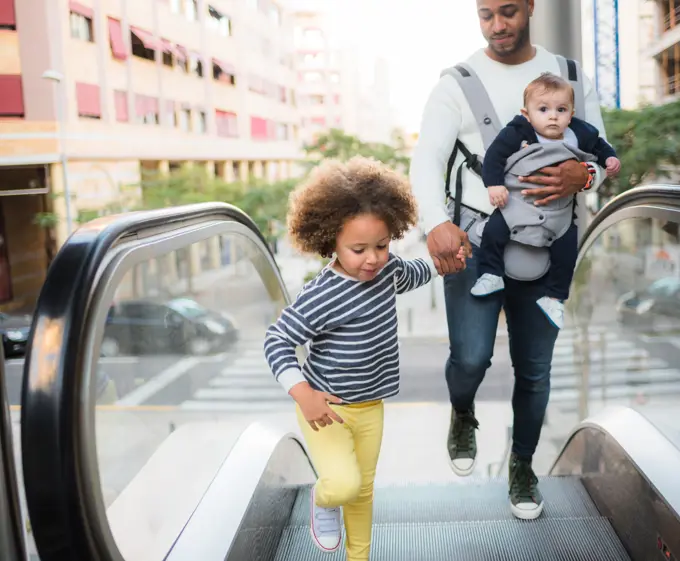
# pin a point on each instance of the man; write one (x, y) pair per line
(505, 67)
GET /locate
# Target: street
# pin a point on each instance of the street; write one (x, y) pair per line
(621, 365)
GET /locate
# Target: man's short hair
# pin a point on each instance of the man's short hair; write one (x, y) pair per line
(548, 82)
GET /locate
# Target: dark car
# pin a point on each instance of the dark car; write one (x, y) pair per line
(15, 330)
(179, 326)
(658, 303)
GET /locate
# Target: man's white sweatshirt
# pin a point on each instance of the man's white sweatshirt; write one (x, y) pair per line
(447, 116)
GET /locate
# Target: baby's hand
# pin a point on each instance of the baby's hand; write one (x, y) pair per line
(613, 166)
(498, 196)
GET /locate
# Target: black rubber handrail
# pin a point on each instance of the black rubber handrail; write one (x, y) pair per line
(63, 525)
(12, 543)
(647, 195)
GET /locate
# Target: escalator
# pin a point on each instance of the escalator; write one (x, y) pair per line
(195, 458)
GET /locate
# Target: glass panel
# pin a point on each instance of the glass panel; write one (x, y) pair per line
(181, 354)
(625, 326)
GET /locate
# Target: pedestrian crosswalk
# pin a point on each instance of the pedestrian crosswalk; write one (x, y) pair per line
(616, 365)
(244, 384)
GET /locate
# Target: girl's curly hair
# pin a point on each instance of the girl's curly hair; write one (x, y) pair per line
(336, 192)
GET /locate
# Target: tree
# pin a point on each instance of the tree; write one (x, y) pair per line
(647, 142)
(342, 146)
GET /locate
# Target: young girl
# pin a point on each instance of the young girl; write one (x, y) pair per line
(349, 212)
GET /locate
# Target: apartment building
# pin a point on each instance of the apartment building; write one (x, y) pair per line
(115, 87)
(327, 82)
(665, 48)
(333, 92)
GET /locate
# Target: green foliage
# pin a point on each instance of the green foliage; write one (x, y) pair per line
(46, 219)
(647, 142)
(264, 202)
(339, 145)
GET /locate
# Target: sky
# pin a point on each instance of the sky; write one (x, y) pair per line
(418, 38)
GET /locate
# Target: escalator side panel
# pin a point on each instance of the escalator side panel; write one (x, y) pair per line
(622, 490)
(272, 503)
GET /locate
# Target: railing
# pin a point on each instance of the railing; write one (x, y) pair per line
(74, 473)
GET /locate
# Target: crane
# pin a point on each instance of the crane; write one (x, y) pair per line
(607, 64)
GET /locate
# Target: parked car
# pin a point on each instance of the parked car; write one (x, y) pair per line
(658, 302)
(178, 326)
(15, 330)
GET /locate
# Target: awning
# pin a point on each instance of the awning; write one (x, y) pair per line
(7, 16)
(225, 67)
(118, 46)
(81, 9)
(169, 48)
(87, 97)
(12, 98)
(182, 54)
(147, 39)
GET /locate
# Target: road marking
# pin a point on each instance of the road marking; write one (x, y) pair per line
(102, 360)
(158, 382)
(265, 395)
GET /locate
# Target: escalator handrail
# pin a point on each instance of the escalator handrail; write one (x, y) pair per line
(51, 391)
(647, 194)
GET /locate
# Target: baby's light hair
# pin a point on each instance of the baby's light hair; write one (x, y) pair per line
(547, 82)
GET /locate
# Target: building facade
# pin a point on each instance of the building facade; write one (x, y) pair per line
(112, 88)
(664, 48)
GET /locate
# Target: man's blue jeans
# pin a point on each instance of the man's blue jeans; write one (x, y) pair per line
(472, 323)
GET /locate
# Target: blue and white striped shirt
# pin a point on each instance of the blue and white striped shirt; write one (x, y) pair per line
(352, 326)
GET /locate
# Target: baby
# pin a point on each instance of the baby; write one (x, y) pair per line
(547, 117)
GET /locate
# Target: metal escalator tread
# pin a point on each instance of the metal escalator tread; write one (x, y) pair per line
(470, 521)
(484, 499)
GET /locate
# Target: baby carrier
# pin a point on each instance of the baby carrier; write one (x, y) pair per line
(526, 257)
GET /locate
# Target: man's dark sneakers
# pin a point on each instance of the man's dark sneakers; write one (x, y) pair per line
(526, 501)
(462, 443)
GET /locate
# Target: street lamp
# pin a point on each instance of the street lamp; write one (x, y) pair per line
(57, 78)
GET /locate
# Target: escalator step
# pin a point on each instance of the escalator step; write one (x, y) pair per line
(574, 539)
(565, 497)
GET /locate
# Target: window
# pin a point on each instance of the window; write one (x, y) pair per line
(258, 128)
(120, 100)
(146, 110)
(170, 115)
(185, 119)
(7, 15)
(311, 77)
(275, 15)
(12, 98)
(335, 78)
(223, 72)
(281, 131)
(176, 6)
(81, 27)
(316, 99)
(87, 98)
(118, 46)
(202, 125)
(143, 45)
(219, 22)
(191, 9)
(283, 94)
(196, 65)
(226, 124)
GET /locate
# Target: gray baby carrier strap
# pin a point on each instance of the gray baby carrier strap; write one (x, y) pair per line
(522, 262)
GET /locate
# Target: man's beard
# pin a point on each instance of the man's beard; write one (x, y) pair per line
(522, 38)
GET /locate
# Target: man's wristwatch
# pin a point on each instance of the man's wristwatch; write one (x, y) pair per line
(592, 172)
